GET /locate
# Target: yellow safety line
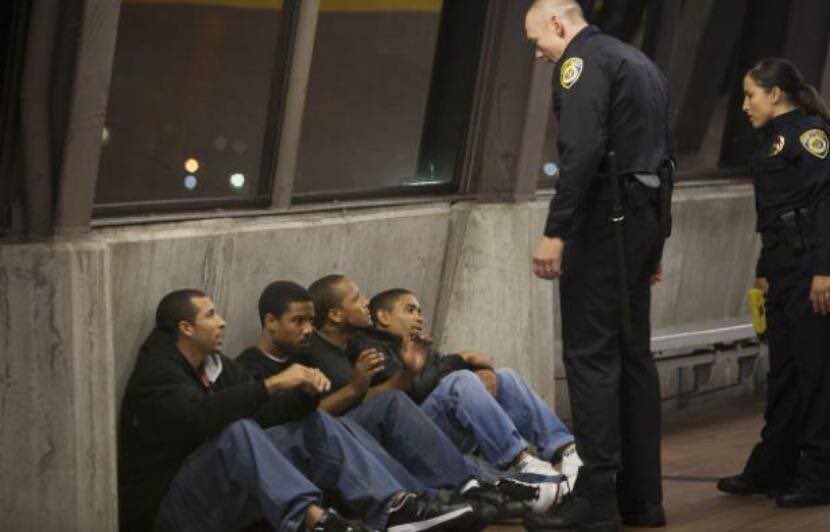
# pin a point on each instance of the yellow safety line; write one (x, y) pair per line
(357, 6)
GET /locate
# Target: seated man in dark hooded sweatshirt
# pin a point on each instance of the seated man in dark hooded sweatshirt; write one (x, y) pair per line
(286, 314)
(191, 458)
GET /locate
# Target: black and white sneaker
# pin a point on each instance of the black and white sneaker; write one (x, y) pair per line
(414, 513)
(540, 496)
(334, 522)
(507, 507)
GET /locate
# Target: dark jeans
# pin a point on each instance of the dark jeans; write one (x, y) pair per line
(410, 437)
(246, 474)
(795, 441)
(613, 382)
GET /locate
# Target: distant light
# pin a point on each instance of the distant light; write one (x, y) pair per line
(191, 165)
(190, 182)
(240, 146)
(220, 143)
(550, 169)
(105, 135)
(237, 180)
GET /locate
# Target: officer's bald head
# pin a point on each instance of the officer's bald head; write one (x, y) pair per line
(551, 24)
(568, 10)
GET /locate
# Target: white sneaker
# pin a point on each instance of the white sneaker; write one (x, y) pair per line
(534, 465)
(540, 496)
(570, 464)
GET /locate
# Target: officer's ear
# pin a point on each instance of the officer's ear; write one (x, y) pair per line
(554, 23)
(776, 95)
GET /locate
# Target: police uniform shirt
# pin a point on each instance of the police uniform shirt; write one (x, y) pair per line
(607, 95)
(791, 170)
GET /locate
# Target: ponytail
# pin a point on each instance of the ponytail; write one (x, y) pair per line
(813, 103)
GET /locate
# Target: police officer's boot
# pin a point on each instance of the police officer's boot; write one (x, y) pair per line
(591, 507)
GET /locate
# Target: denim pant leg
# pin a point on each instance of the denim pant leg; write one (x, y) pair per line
(234, 480)
(463, 408)
(533, 417)
(334, 459)
(413, 440)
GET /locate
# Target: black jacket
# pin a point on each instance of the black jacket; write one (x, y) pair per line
(607, 96)
(436, 368)
(167, 413)
(791, 170)
(295, 403)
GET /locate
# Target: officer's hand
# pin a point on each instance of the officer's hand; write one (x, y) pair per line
(368, 363)
(762, 284)
(547, 258)
(488, 378)
(820, 294)
(657, 276)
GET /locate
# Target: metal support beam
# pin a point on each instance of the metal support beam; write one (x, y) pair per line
(511, 109)
(87, 112)
(299, 66)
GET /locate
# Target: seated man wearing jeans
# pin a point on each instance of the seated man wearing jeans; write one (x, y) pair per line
(191, 459)
(475, 404)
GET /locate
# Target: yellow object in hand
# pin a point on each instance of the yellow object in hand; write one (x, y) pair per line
(757, 310)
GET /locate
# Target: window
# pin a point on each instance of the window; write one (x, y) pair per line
(389, 96)
(193, 100)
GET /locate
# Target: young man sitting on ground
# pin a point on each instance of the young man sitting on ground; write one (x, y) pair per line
(472, 401)
(192, 459)
(286, 314)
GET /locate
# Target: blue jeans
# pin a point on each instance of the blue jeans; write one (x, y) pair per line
(413, 440)
(247, 474)
(499, 427)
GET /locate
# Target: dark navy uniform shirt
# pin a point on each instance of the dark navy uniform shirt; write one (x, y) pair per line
(607, 95)
(791, 170)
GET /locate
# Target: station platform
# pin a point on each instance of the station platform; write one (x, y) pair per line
(698, 451)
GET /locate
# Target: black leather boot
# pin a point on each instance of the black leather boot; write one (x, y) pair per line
(592, 507)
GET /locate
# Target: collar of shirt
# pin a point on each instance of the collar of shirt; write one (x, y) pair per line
(212, 367)
(583, 34)
(278, 360)
(781, 121)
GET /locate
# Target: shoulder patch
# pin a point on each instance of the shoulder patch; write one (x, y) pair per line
(570, 72)
(777, 146)
(815, 141)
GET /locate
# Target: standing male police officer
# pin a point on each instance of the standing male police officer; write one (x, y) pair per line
(605, 247)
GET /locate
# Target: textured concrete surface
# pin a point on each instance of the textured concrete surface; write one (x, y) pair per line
(72, 315)
(57, 412)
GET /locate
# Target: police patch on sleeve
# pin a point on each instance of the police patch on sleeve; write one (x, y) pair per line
(777, 146)
(815, 141)
(570, 72)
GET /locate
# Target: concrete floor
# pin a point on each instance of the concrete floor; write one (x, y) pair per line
(694, 455)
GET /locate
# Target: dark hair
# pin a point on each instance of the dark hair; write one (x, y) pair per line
(278, 296)
(175, 307)
(386, 301)
(326, 296)
(776, 72)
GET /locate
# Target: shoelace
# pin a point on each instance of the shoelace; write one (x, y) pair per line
(519, 490)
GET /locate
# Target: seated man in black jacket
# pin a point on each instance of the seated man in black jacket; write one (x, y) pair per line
(191, 459)
(286, 314)
(475, 404)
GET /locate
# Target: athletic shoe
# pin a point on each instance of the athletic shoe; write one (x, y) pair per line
(569, 464)
(333, 522)
(415, 513)
(531, 464)
(540, 496)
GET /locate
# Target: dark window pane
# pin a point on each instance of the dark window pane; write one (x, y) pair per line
(190, 114)
(379, 84)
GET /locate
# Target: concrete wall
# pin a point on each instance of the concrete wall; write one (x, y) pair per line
(73, 314)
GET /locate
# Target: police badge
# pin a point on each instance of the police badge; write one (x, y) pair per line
(777, 146)
(570, 72)
(815, 142)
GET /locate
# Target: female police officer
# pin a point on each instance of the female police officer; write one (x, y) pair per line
(791, 172)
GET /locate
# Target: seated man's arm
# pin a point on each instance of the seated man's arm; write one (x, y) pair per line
(368, 363)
